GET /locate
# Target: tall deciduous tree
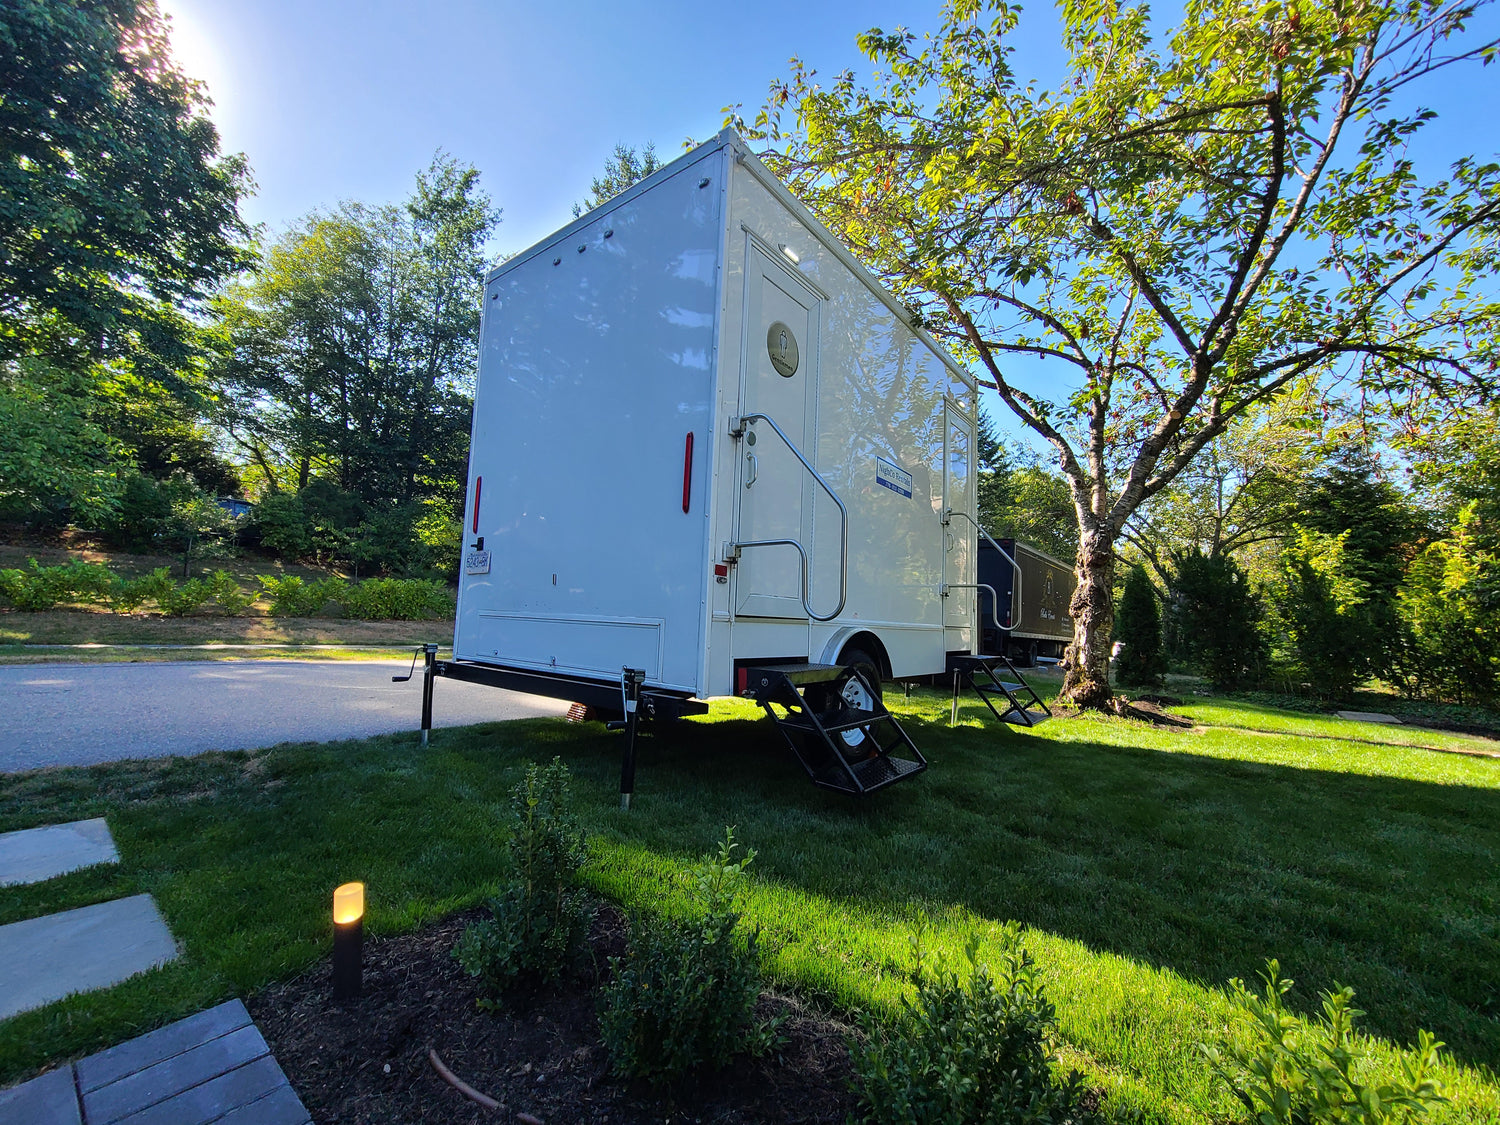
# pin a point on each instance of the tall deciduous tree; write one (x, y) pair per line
(117, 212)
(1197, 219)
(351, 353)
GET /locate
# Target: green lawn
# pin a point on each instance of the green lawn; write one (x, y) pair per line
(1149, 866)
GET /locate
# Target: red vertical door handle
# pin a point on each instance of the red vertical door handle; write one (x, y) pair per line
(478, 481)
(687, 473)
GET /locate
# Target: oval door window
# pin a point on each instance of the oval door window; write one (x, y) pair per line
(782, 346)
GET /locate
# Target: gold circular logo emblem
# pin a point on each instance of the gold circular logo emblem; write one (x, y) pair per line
(782, 346)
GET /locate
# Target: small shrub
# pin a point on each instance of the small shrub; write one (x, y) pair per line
(683, 996)
(231, 598)
(132, 593)
(293, 597)
(185, 599)
(38, 588)
(979, 1048)
(539, 917)
(1292, 1072)
(404, 599)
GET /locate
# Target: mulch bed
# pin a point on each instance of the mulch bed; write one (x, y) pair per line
(366, 1061)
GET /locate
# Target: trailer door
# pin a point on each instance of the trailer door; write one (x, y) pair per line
(959, 547)
(775, 494)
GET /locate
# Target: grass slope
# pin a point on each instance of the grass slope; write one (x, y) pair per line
(1149, 865)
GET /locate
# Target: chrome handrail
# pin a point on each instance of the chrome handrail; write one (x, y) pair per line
(1004, 554)
(737, 431)
(994, 597)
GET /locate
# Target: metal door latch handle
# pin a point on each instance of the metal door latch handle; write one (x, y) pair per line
(752, 469)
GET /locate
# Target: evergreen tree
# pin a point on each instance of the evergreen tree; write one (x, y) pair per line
(1212, 617)
(1138, 629)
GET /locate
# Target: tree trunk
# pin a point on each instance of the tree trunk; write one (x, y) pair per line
(1086, 662)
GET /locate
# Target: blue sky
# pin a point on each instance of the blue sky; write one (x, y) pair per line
(334, 100)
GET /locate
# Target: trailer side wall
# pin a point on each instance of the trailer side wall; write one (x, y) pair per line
(597, 361)
(891, 430)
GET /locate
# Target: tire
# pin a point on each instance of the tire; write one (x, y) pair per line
(858, 689)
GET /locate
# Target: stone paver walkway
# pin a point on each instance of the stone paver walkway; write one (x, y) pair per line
(44, 959)
(35, 854)
(210, 1068)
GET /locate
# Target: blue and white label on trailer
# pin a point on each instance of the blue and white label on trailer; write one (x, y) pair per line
(477, 562)
(897, 479)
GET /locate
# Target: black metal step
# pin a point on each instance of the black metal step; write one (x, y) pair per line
(873, 773)
(855, 720)
(759, 676)
(1000, 688)
(1036, 718)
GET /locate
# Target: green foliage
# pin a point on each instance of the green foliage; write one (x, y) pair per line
(1449, 604)
(292, 596)
(1293, 1072)
(624, 167)
(280, 523)
(119, 211)
(1211, 619)
(56, 461)
(380, 407)
(971, 1049)
(41, 587)
(330, 524)
(375, 599)
(1138, 628)
(167, 515)
(131, 594)
(1325, 626)
(683, 996)
(402, 599)
(539, 917)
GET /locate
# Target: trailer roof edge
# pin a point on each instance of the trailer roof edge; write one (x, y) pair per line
(769, 180)
(728, 138)
(665, 172)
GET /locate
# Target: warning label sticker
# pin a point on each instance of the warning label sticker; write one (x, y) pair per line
(897, 479)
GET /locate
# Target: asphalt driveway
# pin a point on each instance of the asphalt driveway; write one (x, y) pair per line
(79, 714)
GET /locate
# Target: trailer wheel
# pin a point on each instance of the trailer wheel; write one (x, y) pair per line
(858, 689)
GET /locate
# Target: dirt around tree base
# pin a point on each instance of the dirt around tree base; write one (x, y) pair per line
(366, 1062)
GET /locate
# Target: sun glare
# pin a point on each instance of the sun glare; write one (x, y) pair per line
(194, 48)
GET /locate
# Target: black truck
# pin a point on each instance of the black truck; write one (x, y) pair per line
(1033, 603)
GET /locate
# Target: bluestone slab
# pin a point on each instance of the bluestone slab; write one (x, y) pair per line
(45, 959)
(1368, 717)
(280, 1107)
(34, 854)
(209, 1101)
(163, 1043)
(170, 1077)
(48, 1100)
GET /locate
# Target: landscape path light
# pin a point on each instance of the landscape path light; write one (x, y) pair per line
(348, 939)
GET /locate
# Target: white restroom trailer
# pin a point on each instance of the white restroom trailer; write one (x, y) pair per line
(707, 442)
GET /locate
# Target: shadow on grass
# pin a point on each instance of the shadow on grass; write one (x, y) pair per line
(1197, 864)
(1179, 860)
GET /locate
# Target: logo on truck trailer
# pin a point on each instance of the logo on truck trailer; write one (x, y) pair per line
(897, 479)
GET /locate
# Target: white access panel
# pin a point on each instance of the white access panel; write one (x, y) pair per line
(597, 357)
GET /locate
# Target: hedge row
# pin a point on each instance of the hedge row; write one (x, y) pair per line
(38, 588)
